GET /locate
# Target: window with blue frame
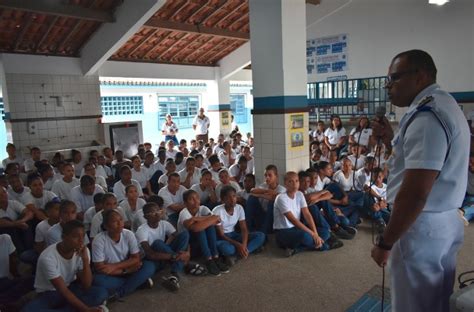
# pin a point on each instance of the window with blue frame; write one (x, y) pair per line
(237, 105)
(122, 105)
(182, 108)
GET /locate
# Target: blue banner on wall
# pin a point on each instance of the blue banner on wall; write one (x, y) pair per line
(327, 55)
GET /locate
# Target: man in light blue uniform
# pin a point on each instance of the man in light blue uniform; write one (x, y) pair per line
(426, 185)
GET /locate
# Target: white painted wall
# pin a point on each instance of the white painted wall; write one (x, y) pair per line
(379, 29)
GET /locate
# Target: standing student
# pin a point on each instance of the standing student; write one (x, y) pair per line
(116, 258)
(201, 125)
(162, 244)
(169, 130)
(231, 243)
(200, 223)
(63, 276)
(426, 186)
(291, 233)
(64, 186)
(259, 209)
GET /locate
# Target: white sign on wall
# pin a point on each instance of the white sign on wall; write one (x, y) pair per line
(326, 55)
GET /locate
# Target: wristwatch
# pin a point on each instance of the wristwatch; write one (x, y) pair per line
(124, 271)
(379, 242)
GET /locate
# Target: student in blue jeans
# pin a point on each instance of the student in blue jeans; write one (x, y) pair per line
(232, 243)
(292, 234)
(66, 288)
(162, 244)
(350, 203)
(200, 223)
(116, 258)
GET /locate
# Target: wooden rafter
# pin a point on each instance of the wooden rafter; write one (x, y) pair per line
(179, 9)
(69, 35)
(171, 46)
(22, 32)
(238, 20)
(210, 51)
(186, 46)
(141, 42)
(199, 8)
(192, 52)
(205, 19)
(156, 45)
(58, 8)
(216, 57)
(45, 35)
(230, 13)
(175, 26)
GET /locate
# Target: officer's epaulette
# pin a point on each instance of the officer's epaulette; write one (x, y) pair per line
(424, 101)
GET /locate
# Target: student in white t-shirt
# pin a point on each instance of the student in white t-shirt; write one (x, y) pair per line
(132, 207)
(38, 197)
(170, 150)
(92, 211)
(244, 194)
(90, 170)
(83, 195)
(64, 186)
(224, 179)
(345, 176)
(378, 207)
(231, 243)
(41, 231)
(335, 134)
(237, 171)
(67, 212)
(162, 244)
(250, 160)
(259, 209)
(116, 258)
(361, 135)
(141, 175)
(363, 175)
(170, 168)
(356, 158)
(291, 233)
(172, 195)
(206, 189)
(12, 156)
(215, 167)
(125, 180)
(16, 189)
(200, 223)
(109, 202)
(190, 175)
(227, 156)
(58, 267)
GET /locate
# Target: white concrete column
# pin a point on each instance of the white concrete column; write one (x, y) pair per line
(280, 114)
(220, 112)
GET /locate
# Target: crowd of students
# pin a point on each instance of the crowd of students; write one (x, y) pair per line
(97, 230)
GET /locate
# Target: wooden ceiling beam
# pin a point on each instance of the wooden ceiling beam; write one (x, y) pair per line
(68, 35)
(22, 32)
(199, 8)
(58, 8)
(156, 45)
(231, 12)
(196, 50)
(175, 26)
(237, 20)
(212, 50)
(223, 4)
(141, 42)
(45, 35)
(186, 46)
(179, 9)
(171, 46)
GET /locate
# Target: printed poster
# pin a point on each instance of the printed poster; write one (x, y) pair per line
(296, 131)
(327, 55)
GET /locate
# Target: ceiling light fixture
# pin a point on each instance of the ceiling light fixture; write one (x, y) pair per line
(438, 2)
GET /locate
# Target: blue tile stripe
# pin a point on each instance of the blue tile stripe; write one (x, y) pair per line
(464, 97)
(220, 107)
(280, 102)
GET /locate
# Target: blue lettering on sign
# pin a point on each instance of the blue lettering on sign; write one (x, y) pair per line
(338, 47)
(323, 50)
(323, 68)
(338, 66)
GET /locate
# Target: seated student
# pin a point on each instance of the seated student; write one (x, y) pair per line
(244, 194)
(109, 202)
(16, 189)
(217, 147)
(377, 204)
(41, 231)
(172, 195)
(206, 189)
(325, 152)
(215, 167)
(77, 162)
(237, 171)
(224, 180)
(141, 175)
(92, 211)
(320, 200)
(12, 156)
(89, 169)
(336, 165)
(132, 207)
(231, 243)
(189, 175)
(12, 286)
(179, 161)
(46, 172)
(116, 258)
(315, 157)
(170, 150)
(357, 158)
(200, 164)
(363, 175)
(170, 168)
(83, 195)
(246, 151)
(38, 197)
(60, 268)
(292, 234)
(149, 168)
(160, 164)
(119, 161)
(227, 156)
(67, 212)
(103, 170)
(125, 180)
(200, 223)
(29, 164)
(162, 244)
(64, 186)
(15, 220)
(259, 209)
